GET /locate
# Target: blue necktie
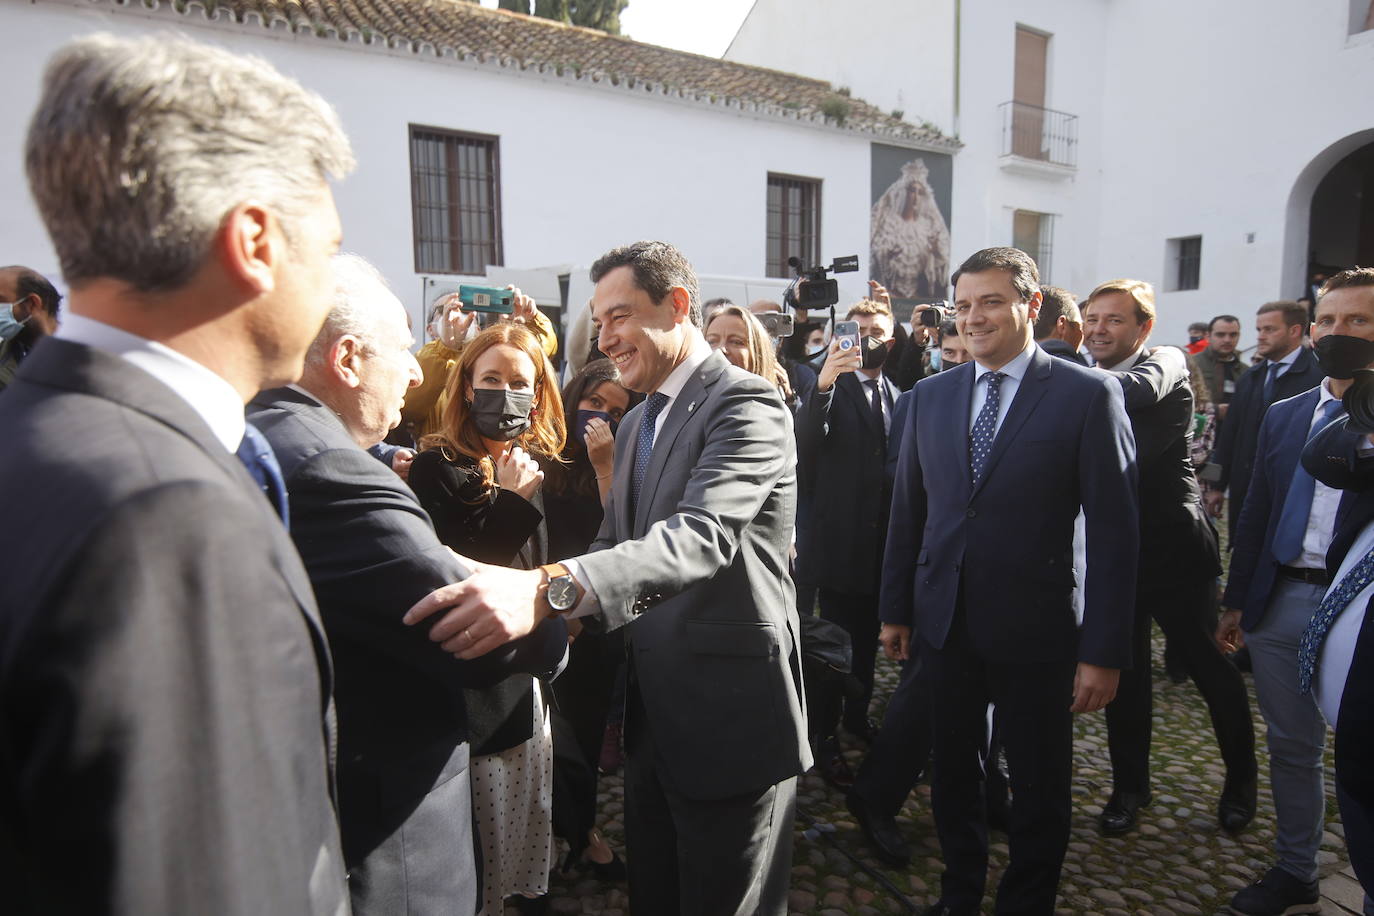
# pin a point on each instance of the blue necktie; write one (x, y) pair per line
(1310, 648)
(1297, 505)
(257, 456)
(1269, 383)
(985, 428)
(644, 445)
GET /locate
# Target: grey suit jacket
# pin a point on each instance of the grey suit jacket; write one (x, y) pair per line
(166, 723)
(700, 575)
(405, 796)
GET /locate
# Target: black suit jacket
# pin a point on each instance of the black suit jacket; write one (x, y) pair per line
(1239, 433)
(404, 792)
(1004, 551)
(166, 723)
(1333, 457)
(842, 454)
(1176, 538)
(1056, 347)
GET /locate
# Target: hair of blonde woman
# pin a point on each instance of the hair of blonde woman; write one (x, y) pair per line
(763, 361)
(457, 432)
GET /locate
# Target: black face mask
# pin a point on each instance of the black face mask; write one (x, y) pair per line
(501, 415)
(1339, 355)
(874, 353)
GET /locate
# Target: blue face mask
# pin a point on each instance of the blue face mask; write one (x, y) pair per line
(9, 327)
(579, 426)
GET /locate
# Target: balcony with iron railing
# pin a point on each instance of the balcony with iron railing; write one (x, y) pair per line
(1038, 140)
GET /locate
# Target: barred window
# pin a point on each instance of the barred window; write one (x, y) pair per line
(455, 191)
(1033, 233)
(794, 222)
(1185, 263)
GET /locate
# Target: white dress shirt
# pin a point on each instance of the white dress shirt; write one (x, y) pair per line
(672, 387)
(1012, 373)
(1285, 363)
(1321, 522)
(1338, 650)
(209, 395)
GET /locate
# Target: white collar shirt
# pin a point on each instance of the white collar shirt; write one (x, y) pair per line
(1321, 521)
(1012, 373)
(209, 395)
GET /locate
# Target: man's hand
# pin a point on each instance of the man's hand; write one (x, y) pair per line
(1213, 500)
(896, 641)
(1229, 636)
(485, 611)
(400, 462)
(454, 323)
(878, 293)
(522, 307)
(1093, 687)
(837, 363)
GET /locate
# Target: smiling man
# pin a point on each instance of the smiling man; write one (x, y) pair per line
(1178, 563)
(692, 560)
(997, 457)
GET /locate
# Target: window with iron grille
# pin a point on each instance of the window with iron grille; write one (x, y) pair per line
(1033, 233)
(1185, 262)
(794, 222)
(455, 189)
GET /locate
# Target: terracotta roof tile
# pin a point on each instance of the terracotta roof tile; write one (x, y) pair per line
(464, 29)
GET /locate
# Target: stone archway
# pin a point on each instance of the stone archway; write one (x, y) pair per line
(1324, 189)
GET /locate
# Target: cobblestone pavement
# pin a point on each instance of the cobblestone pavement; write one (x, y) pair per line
(1177, 862)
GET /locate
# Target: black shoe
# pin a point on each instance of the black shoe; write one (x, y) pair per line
(881, 832)
(941, 908)
(1236, 808)
(866, 731)
(1278, 893)
(1118, 817)
(835, 771)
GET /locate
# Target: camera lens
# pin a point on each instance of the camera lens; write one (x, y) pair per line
(1359, 402)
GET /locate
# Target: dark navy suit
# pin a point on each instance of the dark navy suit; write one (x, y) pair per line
(985, 577)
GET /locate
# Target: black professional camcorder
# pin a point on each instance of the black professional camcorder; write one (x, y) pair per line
(937, 314)
(1359, 402)
(812, 289)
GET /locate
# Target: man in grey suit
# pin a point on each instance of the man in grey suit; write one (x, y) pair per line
(692, 559)
(405, 802)
(165, 685)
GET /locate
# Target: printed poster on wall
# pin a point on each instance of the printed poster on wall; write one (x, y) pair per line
(908, 249)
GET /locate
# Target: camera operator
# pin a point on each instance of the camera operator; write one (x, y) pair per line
(1337, 648)
(842, 432)
(1279, 574)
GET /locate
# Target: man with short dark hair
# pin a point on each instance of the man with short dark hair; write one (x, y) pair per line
(842, 437)
(28, 313)
(1178, 563)
(979, 566)
(1278, 576)
(1220, 366)
(692, 559)
(1059, 329)
(1288, 369)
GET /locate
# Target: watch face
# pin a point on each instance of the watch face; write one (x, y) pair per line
(562, 593)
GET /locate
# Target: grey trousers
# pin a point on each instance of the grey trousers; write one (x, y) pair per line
(1297, 731)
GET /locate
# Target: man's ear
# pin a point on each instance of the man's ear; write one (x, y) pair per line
(1033, 306)
(346, 360)
(26, 306)
(681, 303)
(251, 246)
(1145, 330)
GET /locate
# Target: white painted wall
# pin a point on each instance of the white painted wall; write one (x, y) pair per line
(583, 167)
(1215, 118)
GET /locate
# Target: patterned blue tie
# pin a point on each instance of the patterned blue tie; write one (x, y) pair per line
(1297, 505)
(1269, 383)
(257, 456)
(644, 445)
(985, 428)
(1309, 650)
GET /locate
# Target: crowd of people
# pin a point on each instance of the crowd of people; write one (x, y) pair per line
(310, 623)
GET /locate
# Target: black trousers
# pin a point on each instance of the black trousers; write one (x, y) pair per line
(901, 753)
(858, 615)
(1180, 606)
(711, 857)
(1036, 729)
(582, 698)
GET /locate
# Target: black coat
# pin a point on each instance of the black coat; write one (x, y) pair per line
(1239, 432)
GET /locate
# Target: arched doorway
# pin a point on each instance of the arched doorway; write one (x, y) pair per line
(1330, 219)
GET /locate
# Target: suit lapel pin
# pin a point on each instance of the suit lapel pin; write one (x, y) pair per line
(690, 406)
